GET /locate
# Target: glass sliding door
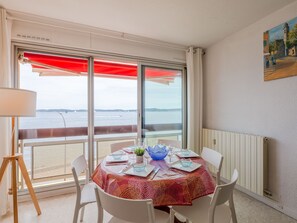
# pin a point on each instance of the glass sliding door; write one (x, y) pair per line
(58, 134)
(162, 104)
(115, 104)
(85, 104)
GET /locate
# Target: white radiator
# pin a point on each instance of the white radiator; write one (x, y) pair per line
(246, 153)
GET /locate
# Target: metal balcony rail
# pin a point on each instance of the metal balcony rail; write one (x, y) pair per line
(98, 130)
(48, 159)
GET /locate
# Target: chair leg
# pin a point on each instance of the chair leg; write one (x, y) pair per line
(99, 207)
(232, 208)
(82, 212)
(100, 214)
(76, 212)
(171, 216)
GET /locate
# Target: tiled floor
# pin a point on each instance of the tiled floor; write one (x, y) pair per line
(60, 210)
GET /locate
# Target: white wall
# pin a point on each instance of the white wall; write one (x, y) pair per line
(51, 32)
(236, 98)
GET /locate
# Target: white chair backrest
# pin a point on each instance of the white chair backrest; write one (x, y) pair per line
(213, 157)
(120, 145)
(224, 192)
(170, 142)
(79, 164)
(126, 209)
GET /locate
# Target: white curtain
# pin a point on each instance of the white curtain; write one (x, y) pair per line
(5, 76)
(195, 97)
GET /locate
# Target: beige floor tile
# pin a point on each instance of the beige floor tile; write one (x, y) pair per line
(60, 210)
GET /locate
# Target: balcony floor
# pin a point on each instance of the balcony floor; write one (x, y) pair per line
(59, 209)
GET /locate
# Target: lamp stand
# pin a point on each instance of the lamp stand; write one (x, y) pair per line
(15, 159)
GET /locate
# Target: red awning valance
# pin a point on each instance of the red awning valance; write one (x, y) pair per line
(49, 65)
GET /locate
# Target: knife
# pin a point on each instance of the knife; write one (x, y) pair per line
(155, 173)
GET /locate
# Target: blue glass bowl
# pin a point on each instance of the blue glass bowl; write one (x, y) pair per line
(157, 152)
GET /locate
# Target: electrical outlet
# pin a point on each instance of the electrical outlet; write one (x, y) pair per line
(267, 193)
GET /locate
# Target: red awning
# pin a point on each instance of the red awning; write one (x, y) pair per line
(49, 65)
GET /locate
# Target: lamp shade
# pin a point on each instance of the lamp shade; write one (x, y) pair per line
(17, 102)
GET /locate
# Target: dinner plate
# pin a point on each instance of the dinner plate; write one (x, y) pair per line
(130, 149)
(190, 154)
(111, 159)
(147, 170)
(194, 166)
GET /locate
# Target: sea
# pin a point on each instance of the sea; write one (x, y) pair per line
(67, 119)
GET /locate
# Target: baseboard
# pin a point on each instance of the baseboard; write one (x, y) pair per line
(268, 201)
(47, 192)
(290, 212)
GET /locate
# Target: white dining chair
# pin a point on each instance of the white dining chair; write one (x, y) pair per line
(215, 159)
(85, 194)
(120, 145)
(170, 142)
(128, 210)
(210, 209)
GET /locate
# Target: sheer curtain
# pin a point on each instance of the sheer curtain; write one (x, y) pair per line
(5, 76)
(195, 97)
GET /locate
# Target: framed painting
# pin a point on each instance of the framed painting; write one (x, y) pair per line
(280, 51)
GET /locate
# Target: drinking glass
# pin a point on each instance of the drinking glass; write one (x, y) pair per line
(139, 142)
(170, 154)
(146, 155)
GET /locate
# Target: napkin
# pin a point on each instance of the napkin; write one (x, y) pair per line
(115, 163)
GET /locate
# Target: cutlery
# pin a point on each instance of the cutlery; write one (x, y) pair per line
(154, 173)
(180, 172)
(115, 163)
(125, 168)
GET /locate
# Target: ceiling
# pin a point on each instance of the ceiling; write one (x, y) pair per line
(185, 22)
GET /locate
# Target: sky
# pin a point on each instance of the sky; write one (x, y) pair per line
(110, 93)
(277, 32)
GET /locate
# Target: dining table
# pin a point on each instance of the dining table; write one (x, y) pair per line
(165, 185)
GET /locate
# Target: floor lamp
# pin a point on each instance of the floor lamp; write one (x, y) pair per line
(17, 103)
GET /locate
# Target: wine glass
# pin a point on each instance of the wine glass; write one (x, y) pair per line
(146, 155)
(170, 154)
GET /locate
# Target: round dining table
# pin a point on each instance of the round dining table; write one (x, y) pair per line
(168, 186)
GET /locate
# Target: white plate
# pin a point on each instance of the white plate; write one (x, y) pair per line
(111, 159)
(190, 155)
(147, 170)
(130, 149)
(194, 166)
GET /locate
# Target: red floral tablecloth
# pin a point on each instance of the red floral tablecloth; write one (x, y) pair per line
(169, 186)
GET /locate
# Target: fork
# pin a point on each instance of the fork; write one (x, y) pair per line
(155, 173)
(125, 168)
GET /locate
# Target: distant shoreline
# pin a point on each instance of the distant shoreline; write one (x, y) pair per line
(106, 110)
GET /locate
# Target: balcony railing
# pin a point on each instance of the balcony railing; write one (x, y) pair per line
(48, 153)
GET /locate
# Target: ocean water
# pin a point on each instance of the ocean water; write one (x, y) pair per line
(54, 119)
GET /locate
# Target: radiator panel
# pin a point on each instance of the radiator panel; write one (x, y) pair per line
(247, 153)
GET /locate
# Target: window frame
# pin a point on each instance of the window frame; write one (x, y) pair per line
(90, 55)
